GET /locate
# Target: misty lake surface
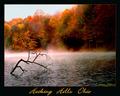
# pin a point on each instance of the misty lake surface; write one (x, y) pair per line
(65, 69)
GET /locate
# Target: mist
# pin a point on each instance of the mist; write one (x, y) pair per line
(76, 48)
(66, 69)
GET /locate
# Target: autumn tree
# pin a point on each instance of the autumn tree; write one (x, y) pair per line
(89, 34)
(82, 26)
(7, 35)
(71, 29)
(105, 24)
(54, 23)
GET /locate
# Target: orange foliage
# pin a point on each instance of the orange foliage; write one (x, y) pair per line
(73, 28)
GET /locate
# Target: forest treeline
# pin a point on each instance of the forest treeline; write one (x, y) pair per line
(81, 27)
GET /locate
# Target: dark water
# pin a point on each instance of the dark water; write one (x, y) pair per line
(66, 69)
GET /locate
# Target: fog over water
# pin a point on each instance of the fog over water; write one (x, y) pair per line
(66, 69)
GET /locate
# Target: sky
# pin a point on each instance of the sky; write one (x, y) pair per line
(22, 10)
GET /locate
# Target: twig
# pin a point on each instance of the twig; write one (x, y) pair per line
(27, 62)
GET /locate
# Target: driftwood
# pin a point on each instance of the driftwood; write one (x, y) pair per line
(28, 62)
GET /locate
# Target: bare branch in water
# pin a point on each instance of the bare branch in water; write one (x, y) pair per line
(28, 62)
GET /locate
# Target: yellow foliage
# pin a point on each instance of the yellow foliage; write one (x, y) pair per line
(20, 26)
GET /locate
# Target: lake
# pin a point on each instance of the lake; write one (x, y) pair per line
(64, 69)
